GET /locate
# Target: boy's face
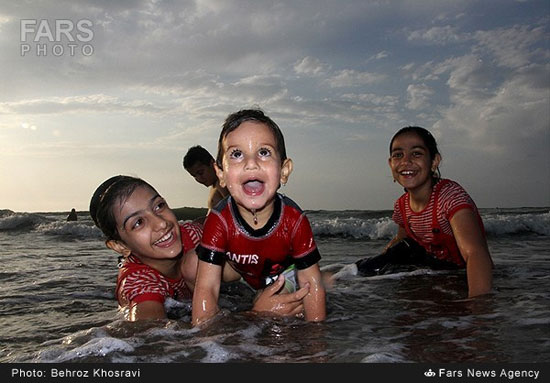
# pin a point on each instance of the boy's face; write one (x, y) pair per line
(203, 174)
(147, 226)
(251, 166)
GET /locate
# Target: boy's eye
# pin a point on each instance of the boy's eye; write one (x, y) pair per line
(396, 155)
(417, 154)
(235, 154)
(264, 152)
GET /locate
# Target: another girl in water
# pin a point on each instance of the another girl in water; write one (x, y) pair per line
(439, 224)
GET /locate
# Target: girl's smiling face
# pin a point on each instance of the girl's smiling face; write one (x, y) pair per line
(410, 162)
(251, 166)
(147, 226)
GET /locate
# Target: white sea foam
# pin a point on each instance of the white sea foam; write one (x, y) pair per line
(96, 347)
(99, 344)
(216, 353)
(74, 229)
(373, 228)
(383, 357)
(502, 224)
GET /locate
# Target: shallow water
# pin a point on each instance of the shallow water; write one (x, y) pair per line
(57, 302)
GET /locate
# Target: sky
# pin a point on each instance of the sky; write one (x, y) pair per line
(92, 89)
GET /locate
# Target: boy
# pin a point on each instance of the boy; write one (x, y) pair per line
(200, 164)
(261, 233)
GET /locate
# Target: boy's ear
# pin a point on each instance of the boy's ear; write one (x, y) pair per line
(286, 169)
(219, 174)
(118, 246)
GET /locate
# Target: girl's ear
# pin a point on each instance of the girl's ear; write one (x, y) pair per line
(435, 162)
(286, 169)
(219, 174)
(118, 246)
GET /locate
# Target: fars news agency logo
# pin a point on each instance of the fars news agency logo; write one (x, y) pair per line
(60, 37)
(429, 373)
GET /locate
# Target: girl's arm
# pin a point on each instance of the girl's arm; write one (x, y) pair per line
(147, 310)
(314, 301)
(401, 234)
(473, 247)
(188, 268)
(207, 291)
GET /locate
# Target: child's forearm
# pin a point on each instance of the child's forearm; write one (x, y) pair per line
(205, 296)
(314, 304)
(204, 307)
(315, 300)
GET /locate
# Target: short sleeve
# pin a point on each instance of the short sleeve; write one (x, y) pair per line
(454, 198)
(143, 285)
(304, 248)
(214, 240)
(191, 235)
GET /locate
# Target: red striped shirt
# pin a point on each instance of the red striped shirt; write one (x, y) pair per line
(452, 198)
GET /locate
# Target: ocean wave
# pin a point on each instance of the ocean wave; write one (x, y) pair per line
(75, 229)
(384, 228)
(47, 224)
(357, 228)
(19, 221)
(365, 225)
(507, 224)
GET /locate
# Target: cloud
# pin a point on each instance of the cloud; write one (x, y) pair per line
(516, 111)
(511, 46)
(353, 78)
(310, 66)
(88, 103)
(418, 96)
(438, 35)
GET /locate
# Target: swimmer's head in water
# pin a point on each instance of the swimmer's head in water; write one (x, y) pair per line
(114, 190)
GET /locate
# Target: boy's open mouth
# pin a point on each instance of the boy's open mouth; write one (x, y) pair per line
(253, 187)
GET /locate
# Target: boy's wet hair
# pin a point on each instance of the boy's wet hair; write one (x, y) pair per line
(427, 138)
(234, 120)
(114, 190)
(197, 154)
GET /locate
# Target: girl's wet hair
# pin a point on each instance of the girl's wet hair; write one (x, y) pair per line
(428, 140)
(234, 120)
(114, 190)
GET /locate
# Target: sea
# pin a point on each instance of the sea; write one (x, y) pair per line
(57, 301)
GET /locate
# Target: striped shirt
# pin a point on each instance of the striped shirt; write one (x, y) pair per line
(452, 198)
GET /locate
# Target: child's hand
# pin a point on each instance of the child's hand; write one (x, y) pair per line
(269, 302)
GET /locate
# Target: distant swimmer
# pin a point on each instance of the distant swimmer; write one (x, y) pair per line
(72, 215)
